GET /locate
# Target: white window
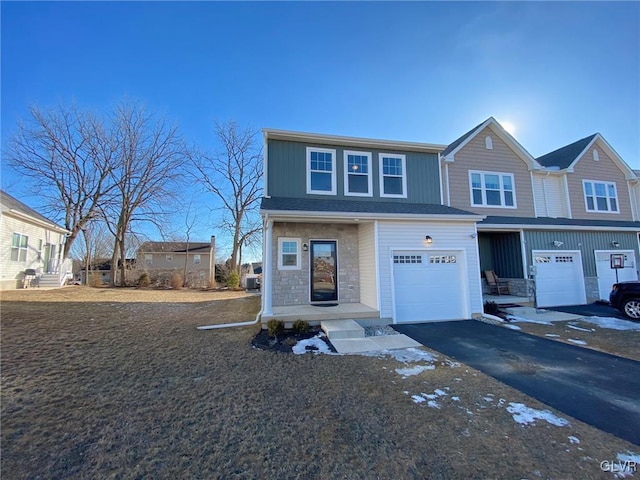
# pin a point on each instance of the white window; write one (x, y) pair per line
(196, 259)
(148, 258)
(357, 174)
(321, 171)
(19, 247)
(169, 258)
(40, 250)
(600, 196)
(393, 175)
(288, 253)
(492, 189)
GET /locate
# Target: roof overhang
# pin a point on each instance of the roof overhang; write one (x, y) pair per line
(323, 139)
(629, 174)
(355, 217)
(36, 221)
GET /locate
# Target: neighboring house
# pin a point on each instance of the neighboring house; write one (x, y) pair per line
(360, 223)
(552, 223)
(30, 241)
(163, 259)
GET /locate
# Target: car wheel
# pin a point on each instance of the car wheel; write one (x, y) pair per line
(631, 308)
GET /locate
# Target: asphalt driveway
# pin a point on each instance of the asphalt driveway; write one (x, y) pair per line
(600, 389)
(590, 310)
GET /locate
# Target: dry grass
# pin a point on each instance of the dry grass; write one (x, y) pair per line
(120, 384)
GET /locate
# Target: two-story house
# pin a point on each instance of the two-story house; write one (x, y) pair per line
(356, 228)
(32, 247)
(552, 223)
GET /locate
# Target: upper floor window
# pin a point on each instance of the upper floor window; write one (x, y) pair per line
(492, 189)
(169, 258)
(19, 247)
(148, 258)
(321, 171)
(357, 174)
(393, 176)
(600, 196)
(288, 253)
(196, 259)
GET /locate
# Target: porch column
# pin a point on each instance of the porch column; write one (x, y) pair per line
(267, 261)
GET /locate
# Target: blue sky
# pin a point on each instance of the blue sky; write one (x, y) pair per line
(418, 71)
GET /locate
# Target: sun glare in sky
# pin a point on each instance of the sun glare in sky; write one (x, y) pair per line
(509, 127)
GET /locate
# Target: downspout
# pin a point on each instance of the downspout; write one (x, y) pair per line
(266, 272)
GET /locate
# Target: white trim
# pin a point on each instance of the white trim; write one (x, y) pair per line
(20, 248)
(351, 141)
(488, 142)
(440, 179)
(265, 168)
(369, 175)
(594, 196)
(350, 216)
(608, 149)
(267, 256)
(41, 223)
(297, 241)
(567, 196)
(334, 171)
(403, 161)
(500, 175)
(446, 169)
(523, 252)
(376, 240)
(535, 202)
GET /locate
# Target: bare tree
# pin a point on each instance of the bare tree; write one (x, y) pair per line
(146, 172)
(234, 176)
(66, 157)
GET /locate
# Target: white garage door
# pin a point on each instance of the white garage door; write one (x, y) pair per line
(607, 275)
(559, 278)
(428, 286)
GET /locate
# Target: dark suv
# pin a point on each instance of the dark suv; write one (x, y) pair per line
(625, 296)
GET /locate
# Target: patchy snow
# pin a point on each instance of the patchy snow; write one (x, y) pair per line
(515, 318)
(526, 415)
(512, 327)
(418, 399)
(455, 399)
(439, 392)
(613, 323)
(573, 440)
(626, 465)
(551, 335)
(318, 345)
(580, 328)
(411, 371)
(433, 404)
(577, 342)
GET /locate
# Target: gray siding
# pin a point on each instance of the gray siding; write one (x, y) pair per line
(586, 242)
(586, 168)
(475, 156)
(287, 173)
(501, 253)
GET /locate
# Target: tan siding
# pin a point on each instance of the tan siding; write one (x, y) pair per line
(367, 263)
(475, 156)
(603, 170)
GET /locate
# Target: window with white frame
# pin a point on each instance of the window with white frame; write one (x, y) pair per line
(196, 259)
(288, 253)
(148, 258)
(393, 175)
(600, 196)
(169, 258)
(492, 189)
(321, 171)
(40, 250)
(19, 247)
(357, 174)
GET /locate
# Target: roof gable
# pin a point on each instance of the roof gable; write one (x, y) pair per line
(566, 157)
(14, 205)
(449, 153)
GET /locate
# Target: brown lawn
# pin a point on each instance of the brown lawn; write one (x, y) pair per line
(100, 383)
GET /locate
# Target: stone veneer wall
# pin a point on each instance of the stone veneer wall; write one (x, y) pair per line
(291, 287)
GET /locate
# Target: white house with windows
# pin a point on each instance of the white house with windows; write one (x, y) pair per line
(32, 247)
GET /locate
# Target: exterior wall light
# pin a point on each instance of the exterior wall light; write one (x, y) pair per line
(557, 243)
(615, 244)
(305, 247)
(428, 240)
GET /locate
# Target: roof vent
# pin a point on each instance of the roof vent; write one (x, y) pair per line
(596, 156)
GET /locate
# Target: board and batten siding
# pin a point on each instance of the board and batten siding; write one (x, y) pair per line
(586, 168)
(287, 173)
(11, 272)
(367, 263)
(550, 195)
(410, 236)
(585, 241)
(475, 156)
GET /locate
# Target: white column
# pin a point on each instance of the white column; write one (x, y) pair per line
(267, 262)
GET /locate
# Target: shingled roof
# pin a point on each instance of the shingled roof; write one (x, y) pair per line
(548, 221)
(11, 203)
(356, 206)
(565, 156)
(174, 247)
(457, 142)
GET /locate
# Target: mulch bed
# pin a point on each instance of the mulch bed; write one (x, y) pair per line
(284, 342)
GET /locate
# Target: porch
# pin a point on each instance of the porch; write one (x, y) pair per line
(314, 314)
(507, 300)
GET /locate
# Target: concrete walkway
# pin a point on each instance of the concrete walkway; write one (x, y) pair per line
(597, 388)
(347, 336)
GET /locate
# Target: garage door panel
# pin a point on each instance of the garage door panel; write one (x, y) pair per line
(607, 275)
(428, 286)
(559, 279)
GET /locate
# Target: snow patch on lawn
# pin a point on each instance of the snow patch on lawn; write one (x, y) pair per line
(625, 467)
(525, 415)
(613, 323)
(418, 399)
(577, 342)
(316, 343)
(512, 327)
(515, 318)
(573, 440)
(580, 329)
(551, 335)
(411, 371)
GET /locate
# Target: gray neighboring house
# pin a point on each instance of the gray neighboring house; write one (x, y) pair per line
(552, 222)
(162, 259)
(30, 243)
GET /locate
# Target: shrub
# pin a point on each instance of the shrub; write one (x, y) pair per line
(233, 280)
(144, 280)
(176, 281)
(95, 280)
(301, 326)
(491, 308)
(275, 327)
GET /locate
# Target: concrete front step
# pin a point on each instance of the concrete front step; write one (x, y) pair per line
(342, 329)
